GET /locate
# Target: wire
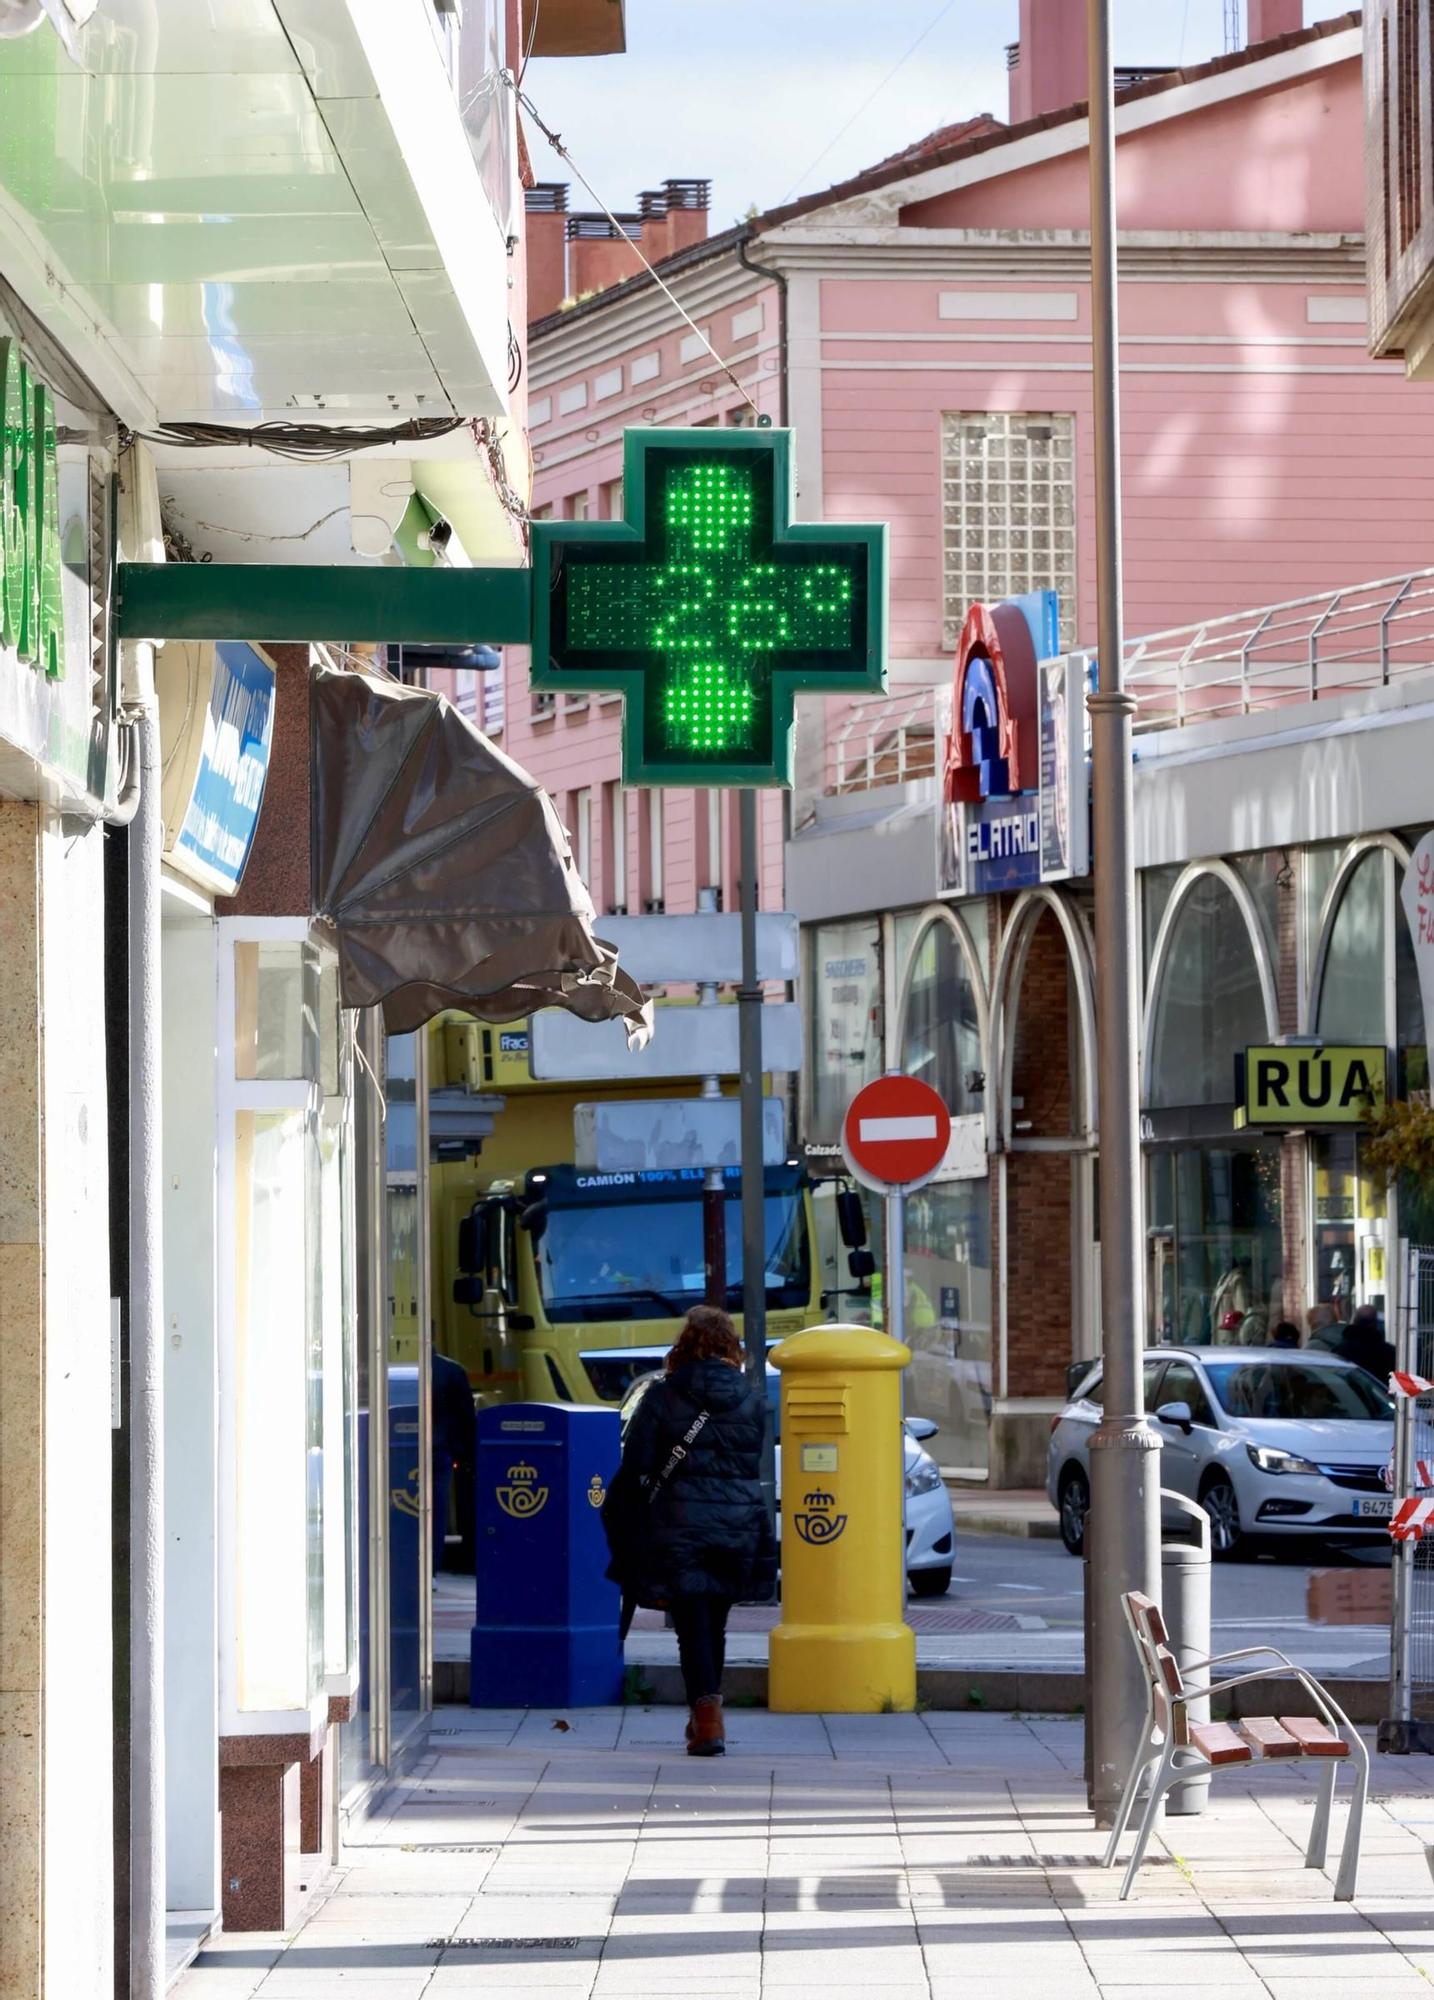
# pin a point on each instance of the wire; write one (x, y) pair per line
(869, 99)
(568, 161)
(305, 441)
(532, 37)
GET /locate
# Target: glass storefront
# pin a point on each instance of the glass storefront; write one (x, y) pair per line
(845, 1022)
(948, 1319)
(1216, 1257)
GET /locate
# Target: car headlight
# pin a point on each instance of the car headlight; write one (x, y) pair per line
(924, 1477)
(1270, 1458)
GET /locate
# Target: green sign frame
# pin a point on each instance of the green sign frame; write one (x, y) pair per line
(708, 608)
(31, 602)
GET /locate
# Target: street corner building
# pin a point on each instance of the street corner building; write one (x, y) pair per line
(935, 843)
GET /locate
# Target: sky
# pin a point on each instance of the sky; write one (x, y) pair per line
(754, 94)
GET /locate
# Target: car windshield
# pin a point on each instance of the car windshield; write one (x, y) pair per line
(1285, 1389)
(642, 1259)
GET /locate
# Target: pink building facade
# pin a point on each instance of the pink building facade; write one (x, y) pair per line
(925, 330)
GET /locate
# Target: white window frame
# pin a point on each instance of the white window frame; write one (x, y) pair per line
(616, 833)
(989, 481)
(583, 832)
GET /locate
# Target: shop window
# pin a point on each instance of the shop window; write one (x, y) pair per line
(1261, 875)
(1008, 495)
(1351, 998)
(845, 1043)
(1157, 885)
(1215, 1274)
(1408, 1004)
(276, 1001)
(1210, 1006)
(948, 1319)
(1349, 1226)
(941, 1032)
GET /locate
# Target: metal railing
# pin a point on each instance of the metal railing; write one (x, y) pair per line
(1340, 642)
(887, 740)
(1343, 641)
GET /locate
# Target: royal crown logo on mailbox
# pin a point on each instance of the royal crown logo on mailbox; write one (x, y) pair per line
(818, 1523)
(597, 1492)
(522, 1497)
(1288, 1086)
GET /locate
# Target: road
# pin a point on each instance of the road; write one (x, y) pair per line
(1265, 1599)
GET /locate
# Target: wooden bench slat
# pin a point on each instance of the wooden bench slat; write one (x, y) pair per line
(1316, 1739)
(1218, 1743)
(1268, 1737)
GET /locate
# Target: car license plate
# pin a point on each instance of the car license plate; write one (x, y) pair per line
(1378, 1507)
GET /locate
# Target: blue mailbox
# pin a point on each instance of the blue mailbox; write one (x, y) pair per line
(546, 1634)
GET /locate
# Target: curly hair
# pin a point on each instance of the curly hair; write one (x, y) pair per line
(707, 1335)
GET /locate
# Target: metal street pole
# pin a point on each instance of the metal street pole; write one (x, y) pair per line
(893, 1288)
(754, 1174)
(714, 1181)
(1124, 1461)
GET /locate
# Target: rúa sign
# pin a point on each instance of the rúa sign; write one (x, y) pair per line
(1320, 1085)
(31, 609)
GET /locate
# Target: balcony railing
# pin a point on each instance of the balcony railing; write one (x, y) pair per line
(1341, 642)
(1310, 649)
(1399, 169)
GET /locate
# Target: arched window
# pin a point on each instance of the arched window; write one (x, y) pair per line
(941, 1031)
(1210, 1004)
(1351, 999)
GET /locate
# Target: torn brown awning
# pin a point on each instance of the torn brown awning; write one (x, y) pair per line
(445, 870)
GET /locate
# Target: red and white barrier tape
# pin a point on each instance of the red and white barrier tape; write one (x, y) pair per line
(1411, 1385)
(1412, 1520)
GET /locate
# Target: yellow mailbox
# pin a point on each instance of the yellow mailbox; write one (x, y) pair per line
(843, 1643)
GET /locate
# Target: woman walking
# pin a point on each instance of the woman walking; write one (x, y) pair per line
(685, 1516)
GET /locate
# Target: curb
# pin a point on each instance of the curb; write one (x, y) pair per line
(1033, 1528)
(969, 1691)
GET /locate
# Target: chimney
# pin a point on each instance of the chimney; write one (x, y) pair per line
(546, 220)
(1048, 64)
(656, 229)
(598, 254)
(687, 206)
(1267, 19)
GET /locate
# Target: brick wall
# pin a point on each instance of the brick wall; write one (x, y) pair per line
(1038, 1185)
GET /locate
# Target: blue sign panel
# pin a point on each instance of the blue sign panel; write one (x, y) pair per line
(218, 829)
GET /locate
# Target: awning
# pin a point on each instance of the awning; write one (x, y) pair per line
(445, 870)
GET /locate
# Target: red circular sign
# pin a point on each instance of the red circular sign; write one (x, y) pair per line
(896, 1131)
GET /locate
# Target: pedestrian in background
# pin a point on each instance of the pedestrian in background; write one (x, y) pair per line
(686, 1517)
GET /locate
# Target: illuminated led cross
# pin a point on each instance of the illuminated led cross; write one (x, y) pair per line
(707, 608)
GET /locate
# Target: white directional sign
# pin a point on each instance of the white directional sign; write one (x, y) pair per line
(688, 1041)
(642, 1133)
(665, 951)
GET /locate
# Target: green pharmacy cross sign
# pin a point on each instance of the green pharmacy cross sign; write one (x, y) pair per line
(707, 608)
(31, 619)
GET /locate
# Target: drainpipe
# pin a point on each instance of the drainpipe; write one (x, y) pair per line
(146, 1411)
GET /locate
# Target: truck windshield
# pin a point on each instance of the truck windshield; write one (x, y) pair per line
(642, 1259)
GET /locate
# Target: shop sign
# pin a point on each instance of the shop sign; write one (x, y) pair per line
(1293, 1085)
(31, 610)
(1417, 895)
(1014, 795)
(219, 762)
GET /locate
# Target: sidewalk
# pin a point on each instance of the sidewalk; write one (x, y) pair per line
(1022, 1511)
(935, 1857)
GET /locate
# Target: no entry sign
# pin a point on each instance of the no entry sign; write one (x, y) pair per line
(896, 1132)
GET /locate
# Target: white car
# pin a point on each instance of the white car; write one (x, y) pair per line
(930, 1524)
(1276, 1443)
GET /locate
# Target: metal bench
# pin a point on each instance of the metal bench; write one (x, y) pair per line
(1176, 1747)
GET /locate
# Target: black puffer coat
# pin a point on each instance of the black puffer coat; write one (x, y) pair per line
(705, 1528)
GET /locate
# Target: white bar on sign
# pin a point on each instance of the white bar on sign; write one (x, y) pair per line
(874, 1130)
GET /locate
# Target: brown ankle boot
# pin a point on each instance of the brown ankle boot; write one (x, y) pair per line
(706, 1736)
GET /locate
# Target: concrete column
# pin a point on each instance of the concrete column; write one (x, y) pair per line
(55, 1728)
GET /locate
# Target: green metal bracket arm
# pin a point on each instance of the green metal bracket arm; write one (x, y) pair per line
(308, 602)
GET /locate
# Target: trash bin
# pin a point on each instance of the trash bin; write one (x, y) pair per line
(546, 1632)
(1185, 1603)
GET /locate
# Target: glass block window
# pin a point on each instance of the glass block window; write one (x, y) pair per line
(1008, 511)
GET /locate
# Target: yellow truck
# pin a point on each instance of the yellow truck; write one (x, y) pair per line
(541, 1268)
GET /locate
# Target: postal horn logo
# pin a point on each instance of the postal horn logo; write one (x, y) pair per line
(522, 1497)
(597, 1492)
(817, 1523)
